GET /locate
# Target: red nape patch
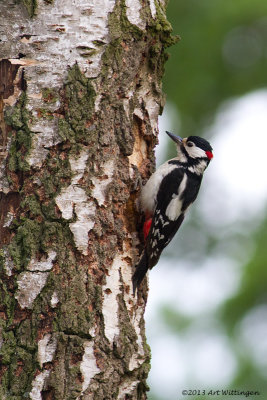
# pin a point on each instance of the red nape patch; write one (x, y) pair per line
(146, 227)
(209, 155)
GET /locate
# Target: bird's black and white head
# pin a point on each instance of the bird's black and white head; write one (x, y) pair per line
(194, 151)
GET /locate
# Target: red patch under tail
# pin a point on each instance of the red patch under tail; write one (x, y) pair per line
(146, 227)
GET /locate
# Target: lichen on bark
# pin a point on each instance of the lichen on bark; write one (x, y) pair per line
(31, 6)
(78, 102)
(16, 117)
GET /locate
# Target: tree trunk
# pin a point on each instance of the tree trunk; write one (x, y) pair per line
(80, 94)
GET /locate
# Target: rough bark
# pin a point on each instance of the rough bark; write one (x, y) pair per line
(80, 94)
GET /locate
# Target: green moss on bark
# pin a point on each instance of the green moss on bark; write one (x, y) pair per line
(32, 204)
(50, 95)
(161, 30)
(66, 377)
(7, 301)
(17, 117)
(56, 174)
(78, 102)
(25, 243)
(19, 370)
(31, 6)
(8, 347)
(26, 335)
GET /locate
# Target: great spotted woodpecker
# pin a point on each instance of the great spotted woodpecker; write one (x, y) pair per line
(166, 197)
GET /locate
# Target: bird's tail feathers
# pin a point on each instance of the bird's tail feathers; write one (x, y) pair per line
(141, 270)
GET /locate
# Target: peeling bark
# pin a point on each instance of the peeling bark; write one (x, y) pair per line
(80, 94)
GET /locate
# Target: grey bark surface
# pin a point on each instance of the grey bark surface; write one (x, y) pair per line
(80, 94)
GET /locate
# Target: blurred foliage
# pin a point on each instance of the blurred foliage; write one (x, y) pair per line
(177, 322)
(251, 298)
(253, 288)
(222, 54)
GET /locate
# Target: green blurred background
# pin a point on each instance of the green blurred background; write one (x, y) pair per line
(220, 60)
(222, 54)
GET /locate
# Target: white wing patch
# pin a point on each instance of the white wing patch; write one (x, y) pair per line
(174, 208)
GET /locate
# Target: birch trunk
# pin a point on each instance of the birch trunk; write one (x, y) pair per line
(80, 94)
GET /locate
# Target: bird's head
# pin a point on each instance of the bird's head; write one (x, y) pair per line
(193, 147)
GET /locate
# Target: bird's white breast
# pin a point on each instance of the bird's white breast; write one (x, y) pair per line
(150, 190)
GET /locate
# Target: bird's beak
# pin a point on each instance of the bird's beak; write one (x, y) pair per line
(176, 139)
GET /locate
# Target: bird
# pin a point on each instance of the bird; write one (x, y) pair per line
(166, 197)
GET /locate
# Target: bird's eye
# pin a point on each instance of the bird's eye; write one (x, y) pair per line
(190, 144)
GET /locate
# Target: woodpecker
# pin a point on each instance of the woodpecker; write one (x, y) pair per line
(166, 197)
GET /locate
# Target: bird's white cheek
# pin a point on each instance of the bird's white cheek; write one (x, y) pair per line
(196, 152)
